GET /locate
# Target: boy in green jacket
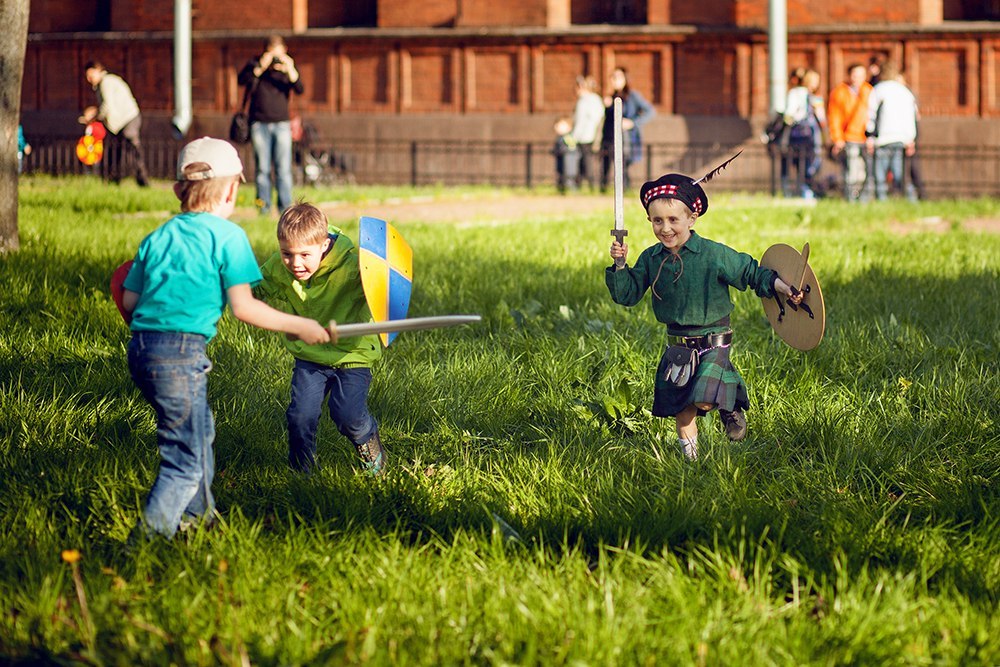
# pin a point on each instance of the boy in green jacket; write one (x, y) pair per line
(315, 274)
(690, 277)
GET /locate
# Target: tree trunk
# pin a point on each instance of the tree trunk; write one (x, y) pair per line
(14, 18)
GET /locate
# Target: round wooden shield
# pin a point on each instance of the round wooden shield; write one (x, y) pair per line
(118, 289)
(801, 326)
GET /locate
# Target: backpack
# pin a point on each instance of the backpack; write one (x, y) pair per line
(776, 131)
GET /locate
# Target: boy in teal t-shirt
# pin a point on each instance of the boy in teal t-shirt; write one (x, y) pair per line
(183, 275)
(316, 274)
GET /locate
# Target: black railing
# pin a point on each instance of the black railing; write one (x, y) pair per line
(948, 171)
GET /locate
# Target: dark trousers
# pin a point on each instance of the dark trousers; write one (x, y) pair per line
(347, 389)
(125, 153)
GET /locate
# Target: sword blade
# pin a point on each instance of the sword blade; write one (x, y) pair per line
(619, 167)
(409, 324)
(805, 265)
(619, 232)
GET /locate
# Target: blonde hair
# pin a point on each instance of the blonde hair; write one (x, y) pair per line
(206, 194)
(588, 83)
(302, 223)
(811, 80)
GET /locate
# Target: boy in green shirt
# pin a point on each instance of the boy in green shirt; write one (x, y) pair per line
(690, 277)
(316, 275)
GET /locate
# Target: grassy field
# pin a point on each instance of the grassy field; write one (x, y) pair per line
(859, 523)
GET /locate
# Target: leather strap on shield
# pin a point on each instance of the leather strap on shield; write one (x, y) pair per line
(801, 326)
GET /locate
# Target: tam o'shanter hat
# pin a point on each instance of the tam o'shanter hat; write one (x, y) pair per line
(220, 156)
(682, 188)
(675, 186)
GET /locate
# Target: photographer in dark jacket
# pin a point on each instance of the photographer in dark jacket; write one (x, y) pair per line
(271, 78)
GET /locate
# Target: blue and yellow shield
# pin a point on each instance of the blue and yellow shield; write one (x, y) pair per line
(386, 271)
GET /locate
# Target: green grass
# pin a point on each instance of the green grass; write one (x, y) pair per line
(859, 523)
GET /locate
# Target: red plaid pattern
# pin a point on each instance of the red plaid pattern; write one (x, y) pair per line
(669, 190)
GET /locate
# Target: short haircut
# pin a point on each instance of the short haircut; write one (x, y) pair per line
(853, 66)
(94, 64)
(890, 70)
(588, 83)
(302, 223)
(206, 194)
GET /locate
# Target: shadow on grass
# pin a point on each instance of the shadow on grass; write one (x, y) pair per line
(867, 443)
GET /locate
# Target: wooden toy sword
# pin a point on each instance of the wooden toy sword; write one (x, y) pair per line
(619, 232)
(338, 331)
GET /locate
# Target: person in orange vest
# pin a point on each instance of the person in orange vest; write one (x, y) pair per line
(847, 116)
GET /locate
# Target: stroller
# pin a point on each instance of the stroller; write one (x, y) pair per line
(320, 165)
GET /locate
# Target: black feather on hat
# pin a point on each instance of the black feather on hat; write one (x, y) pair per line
(682, 188)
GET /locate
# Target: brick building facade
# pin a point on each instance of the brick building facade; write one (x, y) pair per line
(485, 69)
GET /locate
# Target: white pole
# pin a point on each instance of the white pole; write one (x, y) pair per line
(182, 66)
(777, 49)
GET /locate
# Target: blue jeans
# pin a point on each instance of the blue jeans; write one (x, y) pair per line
(272, 148)
(888, 158)
(348, 403)
(171, 371)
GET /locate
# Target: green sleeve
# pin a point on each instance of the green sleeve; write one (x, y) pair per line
(629, 285)
(740, 270)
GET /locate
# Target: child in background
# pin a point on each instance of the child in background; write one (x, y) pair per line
(316, 274)
(690, 277)
(567, 155)
(23, 148)
(183, 275)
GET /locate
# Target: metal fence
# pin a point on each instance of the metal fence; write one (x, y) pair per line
(948, 171)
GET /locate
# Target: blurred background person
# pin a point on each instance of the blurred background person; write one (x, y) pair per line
(636, 112)
(118, 110)
(23, 148)
(806, 118)
(272, 77)
(588, 117)
(847, 115)
(892, 129)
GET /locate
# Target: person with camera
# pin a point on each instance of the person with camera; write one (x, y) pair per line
(271, 78)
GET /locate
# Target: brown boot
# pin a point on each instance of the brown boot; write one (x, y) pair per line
(372, 455)
(735, 423)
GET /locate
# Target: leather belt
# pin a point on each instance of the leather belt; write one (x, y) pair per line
(703, 342)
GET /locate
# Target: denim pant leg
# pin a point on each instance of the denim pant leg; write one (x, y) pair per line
(882, 165)
(309, 385)
(349, 404)
(896, 165)
(282, 156)
(171, 371)
(260, 137)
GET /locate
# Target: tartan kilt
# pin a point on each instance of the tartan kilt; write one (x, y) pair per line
(716, 381)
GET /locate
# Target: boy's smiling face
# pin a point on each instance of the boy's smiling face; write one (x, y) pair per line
(672, 221)
(302, 259)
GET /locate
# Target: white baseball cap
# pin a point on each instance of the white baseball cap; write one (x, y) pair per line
(220, 156)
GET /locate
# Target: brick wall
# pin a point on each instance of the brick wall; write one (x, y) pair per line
(426, 13)
(62, 16)
(286, 15)
(688, 74)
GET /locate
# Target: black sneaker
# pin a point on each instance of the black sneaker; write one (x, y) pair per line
(735, 423)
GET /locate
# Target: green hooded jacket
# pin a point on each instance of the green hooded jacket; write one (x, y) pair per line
(334, 292)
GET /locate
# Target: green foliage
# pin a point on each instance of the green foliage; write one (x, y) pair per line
(535, 513)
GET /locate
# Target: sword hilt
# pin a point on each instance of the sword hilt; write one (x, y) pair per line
(620, 235)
